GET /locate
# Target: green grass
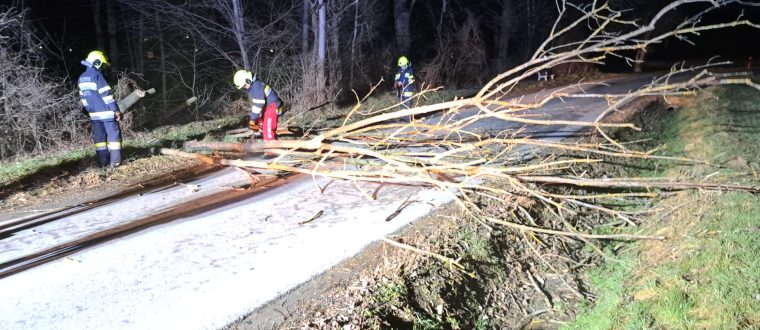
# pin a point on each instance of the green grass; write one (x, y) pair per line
(710, 274)
(610, 295)
(712, 285)
(11, 172)
(476, 245)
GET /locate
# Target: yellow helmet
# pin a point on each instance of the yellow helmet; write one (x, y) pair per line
(242, 77)
(97, 58)
(403, 61)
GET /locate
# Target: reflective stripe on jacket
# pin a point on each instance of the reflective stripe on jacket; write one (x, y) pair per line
(96, 95)
(405, 78)
(261, 95)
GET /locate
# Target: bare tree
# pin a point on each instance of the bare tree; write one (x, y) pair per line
(321, 64)
(236, 16)
(506, 20)
(37, 112)
(305, 18)
(460, 50)
(162, 60)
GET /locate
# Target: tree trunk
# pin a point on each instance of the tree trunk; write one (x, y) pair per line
(162, 58)
(354, 35)
(502, 38)
(113, 51)
(139, 64)
(402, 15)
(237, 22)
(531, 29)
(322, 38)
(96, 13)
(305, 17)
(334, 55)
(321, 50)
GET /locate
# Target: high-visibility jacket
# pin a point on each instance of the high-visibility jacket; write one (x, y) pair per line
(262, 95)
(405, 79)
(96, 94)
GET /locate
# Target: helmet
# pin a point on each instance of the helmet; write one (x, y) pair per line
(242, 77)
(97, 58)
(403, 61)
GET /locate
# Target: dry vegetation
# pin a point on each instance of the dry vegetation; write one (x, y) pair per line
(36, 113)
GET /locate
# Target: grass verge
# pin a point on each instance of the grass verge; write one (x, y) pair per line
(707, 274)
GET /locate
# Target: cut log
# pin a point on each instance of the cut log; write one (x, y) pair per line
(257, 146)
(247, 132)
(181, 107)
(132, 98)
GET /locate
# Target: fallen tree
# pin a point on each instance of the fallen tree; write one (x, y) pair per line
(451, 152)
(446, 153)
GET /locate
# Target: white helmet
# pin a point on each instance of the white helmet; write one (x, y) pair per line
(242, 77)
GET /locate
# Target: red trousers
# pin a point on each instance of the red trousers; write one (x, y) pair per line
(268, 122)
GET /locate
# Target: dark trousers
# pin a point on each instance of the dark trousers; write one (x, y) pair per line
(405, 95)
(107, 138)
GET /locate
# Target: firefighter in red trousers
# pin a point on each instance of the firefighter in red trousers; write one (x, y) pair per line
(265, 100)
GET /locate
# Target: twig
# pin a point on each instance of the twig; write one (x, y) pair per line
(624, 183)
(625, 237)
(540, 257)
(529, 318)
(319, 214)
(547, 299)
(403, 205)
(448, 261)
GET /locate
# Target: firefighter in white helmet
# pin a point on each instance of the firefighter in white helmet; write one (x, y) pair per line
(267, 105)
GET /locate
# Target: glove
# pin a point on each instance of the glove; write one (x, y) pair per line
(398, 85)
(252, 125)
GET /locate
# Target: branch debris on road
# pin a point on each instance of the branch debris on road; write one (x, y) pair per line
(319, 214)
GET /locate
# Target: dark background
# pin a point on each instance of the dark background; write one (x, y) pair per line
(69, 24)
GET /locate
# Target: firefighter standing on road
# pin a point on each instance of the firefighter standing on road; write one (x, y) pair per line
(97, 98)
(265, 99)
(405, 81)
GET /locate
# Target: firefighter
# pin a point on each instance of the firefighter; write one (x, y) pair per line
(265, 100)
(98, 101)
(405, 81)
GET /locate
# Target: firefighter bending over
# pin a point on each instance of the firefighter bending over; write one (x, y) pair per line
(97, 98)
(405, 81)
(264, 99)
